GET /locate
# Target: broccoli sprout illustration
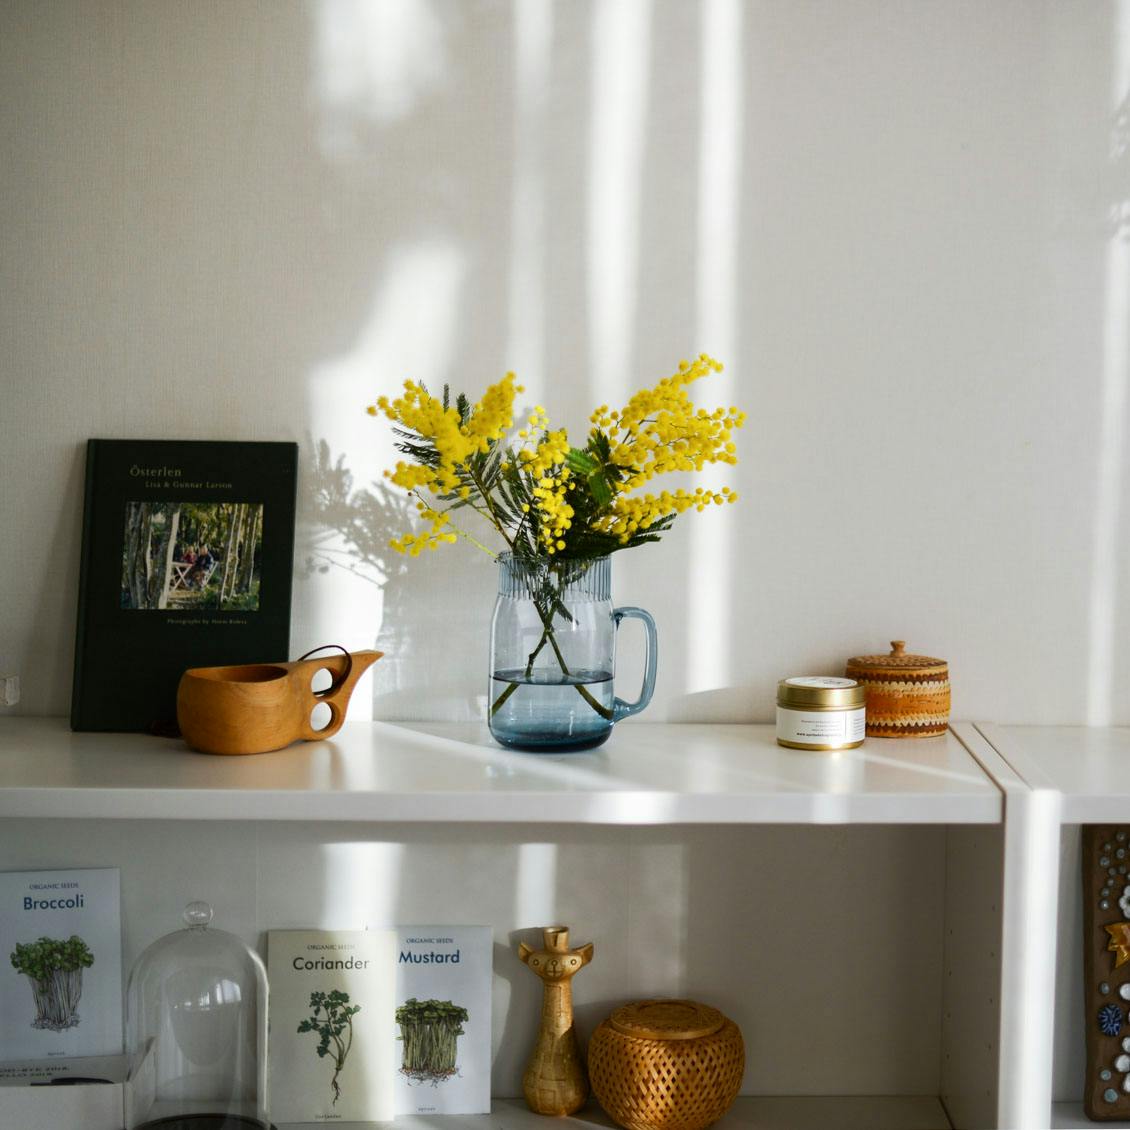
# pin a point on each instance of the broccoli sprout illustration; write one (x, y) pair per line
(54, 968)
(429, 1031)
(332, 1019)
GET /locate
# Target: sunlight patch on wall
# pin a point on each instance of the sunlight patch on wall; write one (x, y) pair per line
(1112, 432)
(375, 62)
(535, 894)
(621, 49)
(533, 46)
(409, 332)
(710, 603)
(362, 885)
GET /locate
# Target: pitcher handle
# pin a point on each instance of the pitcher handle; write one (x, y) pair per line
(620, 708)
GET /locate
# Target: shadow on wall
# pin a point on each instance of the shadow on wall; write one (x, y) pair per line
(426, 604)
(1119, 172)
(542, 213)
(507, 225)
(1108, 565)
(413, 132)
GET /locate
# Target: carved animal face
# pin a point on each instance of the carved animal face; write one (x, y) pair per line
(555, 965)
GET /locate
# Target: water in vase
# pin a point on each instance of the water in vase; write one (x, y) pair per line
(550, 711)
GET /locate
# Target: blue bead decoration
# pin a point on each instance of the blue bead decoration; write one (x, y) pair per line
(1110, 1020)
(1104, 861)
(1104, 988)
(1110, 1094)
(1105, 1074)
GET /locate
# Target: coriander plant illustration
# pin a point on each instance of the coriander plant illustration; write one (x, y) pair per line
(332, 1018)
(429, 1031)
(54, 968)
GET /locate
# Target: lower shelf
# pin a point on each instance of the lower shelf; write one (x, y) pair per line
(882, 1112)
(1070, 1116)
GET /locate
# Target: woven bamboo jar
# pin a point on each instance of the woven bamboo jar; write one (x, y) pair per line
(666, 1065)
(908, 696)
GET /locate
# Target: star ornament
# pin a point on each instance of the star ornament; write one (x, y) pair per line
(1119, 942)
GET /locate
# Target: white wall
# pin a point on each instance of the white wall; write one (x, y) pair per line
(890, 219)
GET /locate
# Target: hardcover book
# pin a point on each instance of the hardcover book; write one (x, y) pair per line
(443, 1014)
(187, 554)
(60, 964)
(332, 1035)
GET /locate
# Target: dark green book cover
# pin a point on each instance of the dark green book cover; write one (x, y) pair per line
(187, 557)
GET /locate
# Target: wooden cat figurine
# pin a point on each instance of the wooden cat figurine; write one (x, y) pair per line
(555, 1081)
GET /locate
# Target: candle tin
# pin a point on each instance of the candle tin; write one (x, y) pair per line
(908, 696)
(820, 712)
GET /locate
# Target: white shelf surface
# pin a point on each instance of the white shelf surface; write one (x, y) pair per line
(646, 774)
(831, 1112)
(1088, 766)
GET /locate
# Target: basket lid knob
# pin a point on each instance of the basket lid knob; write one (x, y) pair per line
(897, 660)
(667, 1020)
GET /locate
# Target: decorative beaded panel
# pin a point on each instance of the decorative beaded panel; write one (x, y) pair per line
(1106, 970)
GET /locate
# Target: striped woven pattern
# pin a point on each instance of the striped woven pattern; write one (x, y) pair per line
(906, 710)
(908, 696)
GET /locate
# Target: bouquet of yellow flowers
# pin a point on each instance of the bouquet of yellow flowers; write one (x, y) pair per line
(561, 511)
(544, 497)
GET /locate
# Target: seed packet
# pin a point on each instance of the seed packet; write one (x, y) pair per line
(332, 1038)
(60, 964)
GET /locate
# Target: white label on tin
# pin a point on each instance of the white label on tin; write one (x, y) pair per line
(821, 727)
(819, 681)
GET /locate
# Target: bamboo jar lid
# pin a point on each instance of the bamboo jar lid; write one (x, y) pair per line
(908, 696)
(666, 1020)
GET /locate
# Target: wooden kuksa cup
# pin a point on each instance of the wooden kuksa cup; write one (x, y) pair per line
(257, 707)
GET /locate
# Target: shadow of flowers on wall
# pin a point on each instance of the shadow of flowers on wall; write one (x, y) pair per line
(347, 528)
(435, 616)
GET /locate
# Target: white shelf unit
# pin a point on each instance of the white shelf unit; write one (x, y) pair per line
(845, 909)
(835, 1112)
(1075, 775)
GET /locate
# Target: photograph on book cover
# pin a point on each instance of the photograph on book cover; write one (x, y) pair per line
(187, 561)
(192, 555)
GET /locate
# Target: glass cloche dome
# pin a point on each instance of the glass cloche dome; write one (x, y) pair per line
(196, 1030)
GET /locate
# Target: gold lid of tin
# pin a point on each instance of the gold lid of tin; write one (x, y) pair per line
(820, 692)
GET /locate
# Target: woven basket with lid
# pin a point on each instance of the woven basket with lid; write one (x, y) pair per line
(908, 696)
(666, 1065)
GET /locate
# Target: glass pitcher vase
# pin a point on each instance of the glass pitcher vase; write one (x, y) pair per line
(553, 655)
